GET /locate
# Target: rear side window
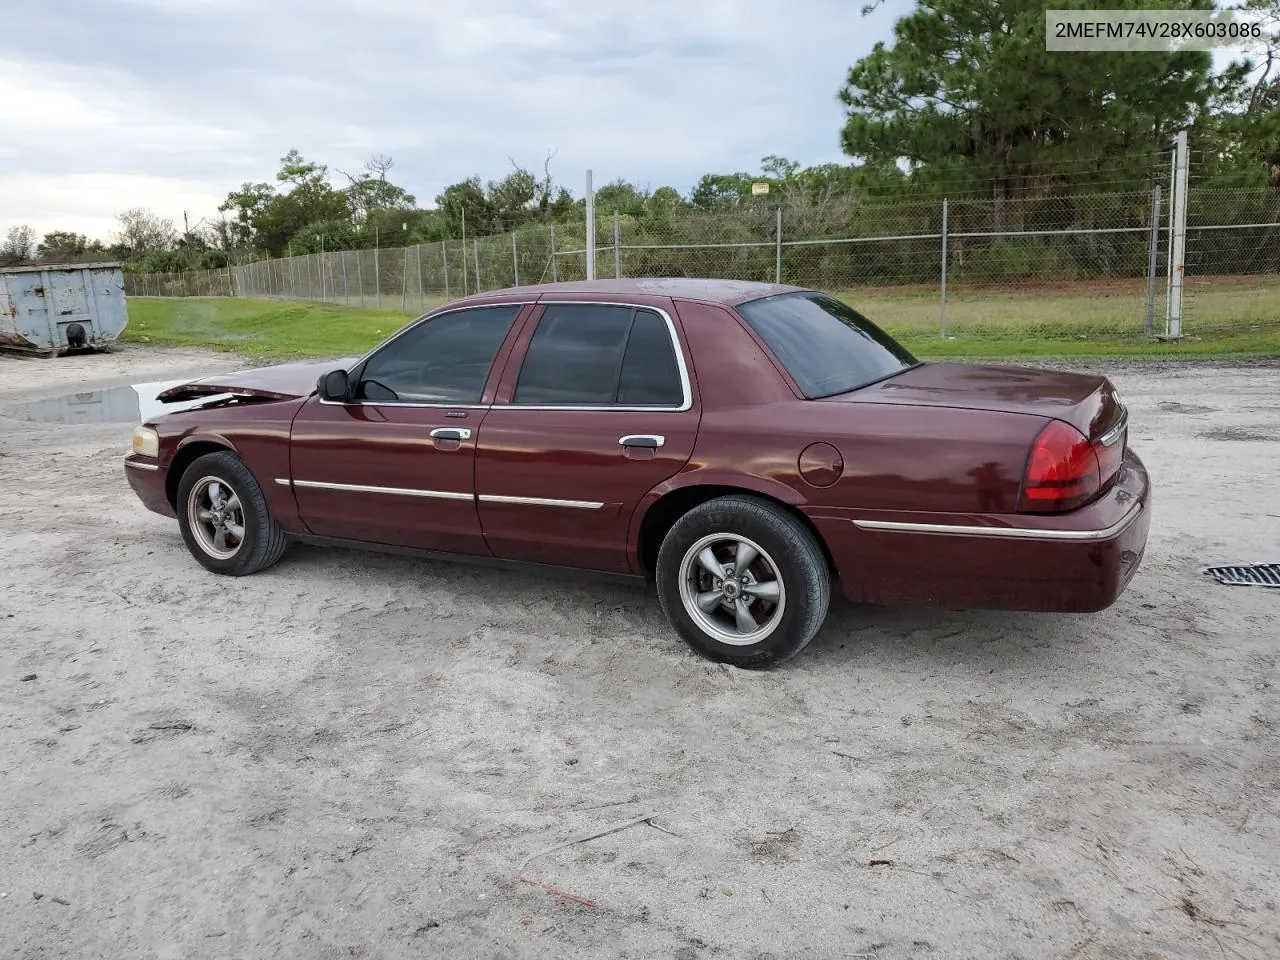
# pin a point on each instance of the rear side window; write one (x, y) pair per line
(599, 355)
(826, 346)
(650, 375)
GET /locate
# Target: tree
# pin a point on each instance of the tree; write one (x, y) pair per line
(275, 218)
(968, 89)
(623, 197)
(372, 191)
(1244, 122)
(246, 205)
(142, 231)
(721, 191)
(19, 245)
(300, 172)
(62, 243)
(466, 202)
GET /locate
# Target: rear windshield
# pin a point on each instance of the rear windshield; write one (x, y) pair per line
(826, 346)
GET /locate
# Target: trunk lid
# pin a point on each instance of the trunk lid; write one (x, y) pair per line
(1086, 401)
(285, 381)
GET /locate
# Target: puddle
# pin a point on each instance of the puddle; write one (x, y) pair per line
(131, 404)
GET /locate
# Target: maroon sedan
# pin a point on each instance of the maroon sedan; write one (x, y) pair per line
(744, 445)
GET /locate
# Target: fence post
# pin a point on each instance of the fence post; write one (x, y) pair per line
(515, 257)
(777, 249)
(1153, 245)
(475, 249)
(422, 294)
(463, 244)
(346, 294)
(377, 274)
(553, 254)
(404, 281)
(444, 259)
(617, 247)
(591, 230)
(942, 307)
(1178, 222)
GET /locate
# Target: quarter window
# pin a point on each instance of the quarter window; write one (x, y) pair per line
(443, 360)
(600, 355)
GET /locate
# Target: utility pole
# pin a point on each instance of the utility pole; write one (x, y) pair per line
(1178, 246)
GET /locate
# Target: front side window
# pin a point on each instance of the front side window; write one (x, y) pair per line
(443, 360)
(826, 346)
(586, 355)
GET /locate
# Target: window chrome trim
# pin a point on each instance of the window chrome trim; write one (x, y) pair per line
(140, 465)
(395, 491)
(400, 404)
(1013, 533)
(686, 390)
(409, 327)
(540, 502)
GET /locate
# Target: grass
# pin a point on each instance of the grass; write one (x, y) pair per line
(261, 328)
(1224, 317)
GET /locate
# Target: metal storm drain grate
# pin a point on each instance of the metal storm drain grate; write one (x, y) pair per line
(1246, 575)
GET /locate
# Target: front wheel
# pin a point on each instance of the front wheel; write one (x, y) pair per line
(224, 518)
(743, 581)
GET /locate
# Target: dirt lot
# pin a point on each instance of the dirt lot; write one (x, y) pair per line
(351, 754)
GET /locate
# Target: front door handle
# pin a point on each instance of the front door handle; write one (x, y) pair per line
(450, 433)
(642, 440)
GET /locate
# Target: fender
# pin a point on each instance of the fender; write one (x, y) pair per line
(695, 475)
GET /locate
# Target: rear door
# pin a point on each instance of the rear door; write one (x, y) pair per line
(595, 408)
(396, 464)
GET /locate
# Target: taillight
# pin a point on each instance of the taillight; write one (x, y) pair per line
(1063, 471)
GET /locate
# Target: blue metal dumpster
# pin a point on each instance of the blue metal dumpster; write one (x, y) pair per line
(53, 308)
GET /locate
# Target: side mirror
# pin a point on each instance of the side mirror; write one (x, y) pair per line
(334, 386)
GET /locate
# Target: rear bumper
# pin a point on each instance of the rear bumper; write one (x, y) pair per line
(148, 482)
(1081, 562)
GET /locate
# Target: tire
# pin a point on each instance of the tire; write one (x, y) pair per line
(223, 476)
(787, 617)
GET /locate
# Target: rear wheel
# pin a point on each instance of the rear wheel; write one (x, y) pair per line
(224, 518)
(743, 581)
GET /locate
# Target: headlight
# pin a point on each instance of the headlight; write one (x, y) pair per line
(146, 442)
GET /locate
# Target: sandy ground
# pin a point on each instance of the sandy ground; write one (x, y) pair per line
(351, 755)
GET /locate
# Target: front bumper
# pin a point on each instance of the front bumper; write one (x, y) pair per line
(1081, 562)
(148, 481)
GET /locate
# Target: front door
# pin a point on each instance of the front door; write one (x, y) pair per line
(396, 463)
(596, 411)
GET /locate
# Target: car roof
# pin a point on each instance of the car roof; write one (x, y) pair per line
(728, 292)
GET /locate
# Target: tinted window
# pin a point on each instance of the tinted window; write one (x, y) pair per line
(444, 360)
(826, 346)
(650, 375)
(599, 355)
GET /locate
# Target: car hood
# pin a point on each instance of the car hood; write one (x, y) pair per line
(1085, 400)
(285, 381)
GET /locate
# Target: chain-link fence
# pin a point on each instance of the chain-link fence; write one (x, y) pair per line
(1092, 265)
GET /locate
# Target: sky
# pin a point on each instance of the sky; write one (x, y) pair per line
(170, 104)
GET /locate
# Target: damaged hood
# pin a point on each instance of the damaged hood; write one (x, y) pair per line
(285, 381)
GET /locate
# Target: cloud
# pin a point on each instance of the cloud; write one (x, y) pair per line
(118, 103)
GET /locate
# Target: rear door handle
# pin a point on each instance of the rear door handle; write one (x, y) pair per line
(642, 440)
(450, 433)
